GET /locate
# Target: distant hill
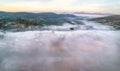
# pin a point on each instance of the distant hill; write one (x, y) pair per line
(33, 15)
(92, 13)
(113, 20)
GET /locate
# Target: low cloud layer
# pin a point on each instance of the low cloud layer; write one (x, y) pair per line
(60, 51)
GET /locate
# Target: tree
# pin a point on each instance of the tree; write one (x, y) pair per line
(71, 28)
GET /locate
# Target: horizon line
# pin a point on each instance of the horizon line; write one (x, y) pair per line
(58, 12)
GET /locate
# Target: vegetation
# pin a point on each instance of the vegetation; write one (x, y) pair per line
(23, 20)
(110, 20)
(71, 28)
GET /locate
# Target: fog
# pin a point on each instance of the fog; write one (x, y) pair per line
(80, 50)
(89, 47)
(88, 25)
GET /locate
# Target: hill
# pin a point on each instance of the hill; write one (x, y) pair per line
(23, 20)
(113, 20)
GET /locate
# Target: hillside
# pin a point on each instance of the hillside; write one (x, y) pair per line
(23, 20)
(110, 20)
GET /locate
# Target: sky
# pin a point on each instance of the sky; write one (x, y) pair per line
(101, 6)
